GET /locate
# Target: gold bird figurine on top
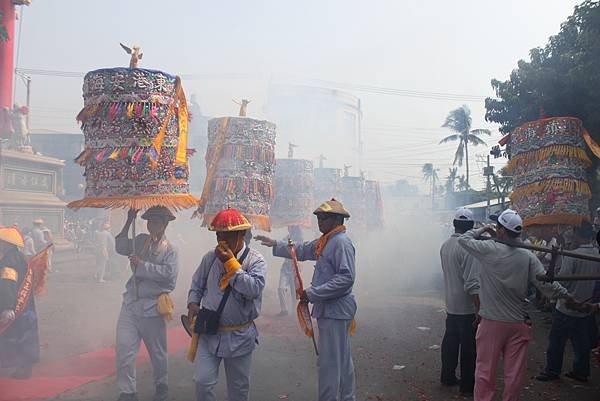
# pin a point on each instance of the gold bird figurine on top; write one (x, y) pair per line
(136, 54)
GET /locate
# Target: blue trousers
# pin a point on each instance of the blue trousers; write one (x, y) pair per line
(565, 327)
(336, 369)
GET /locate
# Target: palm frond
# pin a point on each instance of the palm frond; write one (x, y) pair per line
(459, 120)
(449, 138)
(481, 131)
(475, 140)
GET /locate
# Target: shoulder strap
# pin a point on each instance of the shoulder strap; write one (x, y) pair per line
(228, 289)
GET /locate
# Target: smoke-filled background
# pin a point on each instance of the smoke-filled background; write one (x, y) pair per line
(365, 84)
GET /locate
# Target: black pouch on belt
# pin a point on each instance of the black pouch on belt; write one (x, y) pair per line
(207, 321)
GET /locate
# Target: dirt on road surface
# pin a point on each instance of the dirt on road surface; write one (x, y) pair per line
(396, 347)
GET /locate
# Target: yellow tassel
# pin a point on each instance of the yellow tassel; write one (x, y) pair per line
(565, 218)
(352, 327)
(173, 201)
(212, 165)
(181, 155)
(559, 185)
(545, 153)
(165, 306)
(114, 154)
(231, 266)
(191, 355)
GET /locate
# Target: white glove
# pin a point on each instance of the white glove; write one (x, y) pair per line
(7, 316)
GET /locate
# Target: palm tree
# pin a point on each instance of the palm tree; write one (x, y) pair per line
(459, 121)
(451, 179)
(430, 174)
(462, 184)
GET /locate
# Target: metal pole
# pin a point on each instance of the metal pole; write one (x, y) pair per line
(487, 189)
(28, 84)
(432, 188)
(133, 250)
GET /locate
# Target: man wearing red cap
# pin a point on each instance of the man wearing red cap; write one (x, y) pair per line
(331, 294)
(226, 290)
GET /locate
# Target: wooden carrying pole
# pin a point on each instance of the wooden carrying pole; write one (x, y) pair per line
(556, 251)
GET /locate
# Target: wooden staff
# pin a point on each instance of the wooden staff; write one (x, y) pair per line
(555, 251)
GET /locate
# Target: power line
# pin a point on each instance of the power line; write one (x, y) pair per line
(332, 84)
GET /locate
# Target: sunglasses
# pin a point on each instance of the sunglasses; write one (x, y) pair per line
(323, 217)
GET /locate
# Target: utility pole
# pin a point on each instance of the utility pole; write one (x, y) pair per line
(432, 188)
(488, 172)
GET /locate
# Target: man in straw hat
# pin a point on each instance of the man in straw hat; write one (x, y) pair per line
(224, 300)
(461, 285)
(504, 276)
(19, 342)
(331, 294)
(146, 303)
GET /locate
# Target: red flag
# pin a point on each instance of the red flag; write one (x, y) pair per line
(38, 265)
(302, 311)
(34, 281)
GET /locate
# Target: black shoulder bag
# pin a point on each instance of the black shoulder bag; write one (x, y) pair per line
(207, 321)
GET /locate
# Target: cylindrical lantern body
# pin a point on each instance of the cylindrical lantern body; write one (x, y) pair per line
(353, 198)
(374, 205)
(294, 193)
(548, 164)
(328, 184)
(132, 129)
(243, 175)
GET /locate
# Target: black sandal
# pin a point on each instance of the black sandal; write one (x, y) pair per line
(547, 377)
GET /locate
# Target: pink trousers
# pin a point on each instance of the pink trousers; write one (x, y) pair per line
(495, 339)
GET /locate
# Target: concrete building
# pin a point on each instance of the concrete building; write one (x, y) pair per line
(319, 120)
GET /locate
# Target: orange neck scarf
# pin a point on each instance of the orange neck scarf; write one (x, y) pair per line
(325, 237)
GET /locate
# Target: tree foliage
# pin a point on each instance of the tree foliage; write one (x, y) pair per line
(562, 78)
(459, 121)
(429, 173)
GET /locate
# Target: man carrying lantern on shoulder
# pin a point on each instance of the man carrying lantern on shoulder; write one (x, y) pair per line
(146, 304)
(331, 294)
(224, 300)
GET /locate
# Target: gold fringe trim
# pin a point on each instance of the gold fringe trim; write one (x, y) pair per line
(173, 201)
(559, 185)
(568, 219)
(545, 153)
(259, 222)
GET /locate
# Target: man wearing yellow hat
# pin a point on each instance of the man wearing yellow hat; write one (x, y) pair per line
(331, 294)
(19, 341)
(224, 300)
(146, 303)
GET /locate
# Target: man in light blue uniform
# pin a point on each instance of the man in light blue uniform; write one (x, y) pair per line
(237, 334)
(331, 294)
(155, 267)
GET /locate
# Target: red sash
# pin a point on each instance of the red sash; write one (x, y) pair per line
(33, 281)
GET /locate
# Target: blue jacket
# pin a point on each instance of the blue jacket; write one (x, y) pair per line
(335, 271)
